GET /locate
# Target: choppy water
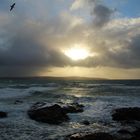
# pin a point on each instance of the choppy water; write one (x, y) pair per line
(98, 97)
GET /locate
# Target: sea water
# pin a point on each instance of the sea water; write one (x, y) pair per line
(100, 98)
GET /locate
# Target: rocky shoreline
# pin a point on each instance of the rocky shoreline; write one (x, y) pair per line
(55, 114)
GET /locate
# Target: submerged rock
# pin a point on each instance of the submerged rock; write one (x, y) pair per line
(90, 136)
(73, 108)
(50, 114)
(3, 114)
(85, 122)
(127, 114)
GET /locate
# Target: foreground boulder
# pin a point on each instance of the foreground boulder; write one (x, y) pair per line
(127, 114)
(90, 136)
(137, 133)
(3, 114)
(53, 114)
(50, 114)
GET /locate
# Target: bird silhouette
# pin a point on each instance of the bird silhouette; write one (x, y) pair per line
(12, 6)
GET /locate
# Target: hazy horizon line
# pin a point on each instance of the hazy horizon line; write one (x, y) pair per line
(67, 77)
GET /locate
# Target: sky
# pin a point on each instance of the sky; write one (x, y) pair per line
(87, 38)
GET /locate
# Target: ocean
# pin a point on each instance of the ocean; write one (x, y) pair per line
(99, 97)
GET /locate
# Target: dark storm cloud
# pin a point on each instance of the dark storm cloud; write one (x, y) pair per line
(22, 52)
(13, 71)
(130, 56)
(100, 12)
(102, 15)
(25, 49)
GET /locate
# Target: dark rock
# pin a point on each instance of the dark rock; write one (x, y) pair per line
(54, 114)
(137, 133)
(90, 136)
(85, 122)
(73, 108)
(123, 132)
(124, 139)
(126, 114)
(50, 114)
(133, 138)
(3, 114)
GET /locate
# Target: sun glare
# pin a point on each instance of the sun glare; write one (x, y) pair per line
(77, 53)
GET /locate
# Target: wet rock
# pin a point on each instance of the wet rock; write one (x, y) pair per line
(137, 133)
(73, 108)
(90, 136)
(49, 114)
(124, 131)
(85, 122)
(53, 114)
(133, 138)
(127, 114)
(3, 114)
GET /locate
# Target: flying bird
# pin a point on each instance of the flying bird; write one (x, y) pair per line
(12, 6)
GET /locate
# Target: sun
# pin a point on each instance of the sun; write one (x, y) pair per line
(76, 52)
